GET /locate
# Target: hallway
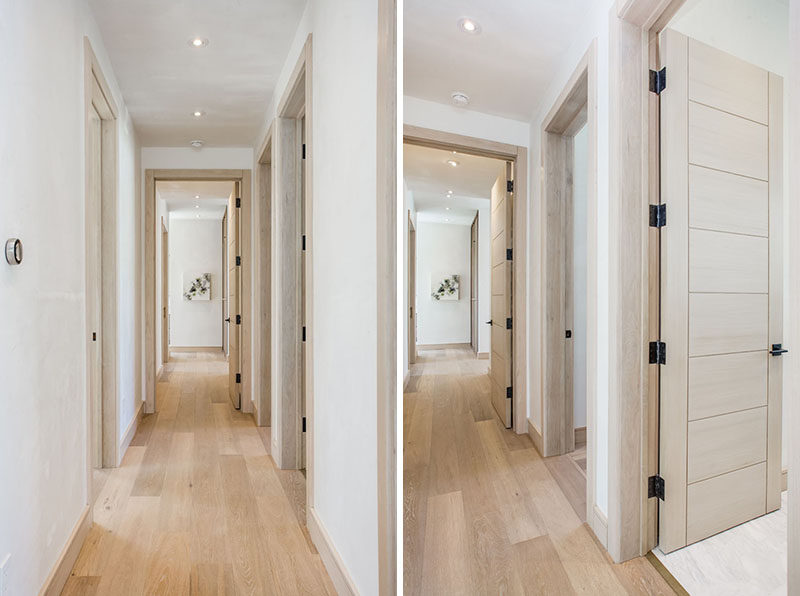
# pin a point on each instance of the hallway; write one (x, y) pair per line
(483, 512)
(198, 506)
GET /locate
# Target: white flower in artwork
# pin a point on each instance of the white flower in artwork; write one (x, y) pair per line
(199, 288)
(446, 289)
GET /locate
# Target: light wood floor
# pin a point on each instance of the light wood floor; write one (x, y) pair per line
(198, 506)
(483, 512)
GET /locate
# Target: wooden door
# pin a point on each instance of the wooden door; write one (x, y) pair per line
(234, 302)
(225, 313)
(94, 273)
(473, 285)
(500, 360)
(412, 292)
(721, 291)
(164, 294)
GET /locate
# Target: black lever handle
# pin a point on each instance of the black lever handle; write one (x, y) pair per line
(228, 320)
(489, 322)
(777, 350)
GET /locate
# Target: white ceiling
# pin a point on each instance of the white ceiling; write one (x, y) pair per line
(506, 68)
(429, 177)
(182, 204)
(163, 79)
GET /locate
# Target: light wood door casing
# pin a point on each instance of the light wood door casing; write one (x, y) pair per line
(412, 292)
(234, 303)
(473, 285)
(501, 356)
(721, 292)
(95, 273)
(164, 294)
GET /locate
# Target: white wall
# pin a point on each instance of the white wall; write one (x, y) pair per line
(756, 31)
(344, 274)
(579, 229)
(443, 249)
(195, 247)
(43, 413)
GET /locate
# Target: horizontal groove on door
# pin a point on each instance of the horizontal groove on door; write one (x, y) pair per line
(726, 142)
(725, 383)
(727, 202)
(725, 501)
(724, 262)
(725, 443)
(725, 323)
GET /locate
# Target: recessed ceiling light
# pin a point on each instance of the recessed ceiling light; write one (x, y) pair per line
(447, 208)
(446, 219)
(197, 143)
(459, 98)
(198, 42)
(198, 216)
(452, 162)
(197, 206)
(469, 26)
(198, 113)
(196, 196)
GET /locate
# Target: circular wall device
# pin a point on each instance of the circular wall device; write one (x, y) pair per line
(14, 251)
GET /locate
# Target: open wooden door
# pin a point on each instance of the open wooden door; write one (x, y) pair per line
(164, 294)
(500, 361)
(721, 291)
(473, 284)
(94, 274)
(412, 292)
(234, 303)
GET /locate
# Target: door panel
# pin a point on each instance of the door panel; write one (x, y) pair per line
(95, 274)
(473, 284)
(500, 359)
(720, 291)
(234, 303)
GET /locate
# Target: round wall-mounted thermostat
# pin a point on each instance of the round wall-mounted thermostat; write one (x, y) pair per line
(13, 251)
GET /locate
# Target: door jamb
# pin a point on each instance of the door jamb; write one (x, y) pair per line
(263, 282)
(412, 292)
(435, 139)
(576, 105)
(108, 224)
(164, 293)
(152, 176)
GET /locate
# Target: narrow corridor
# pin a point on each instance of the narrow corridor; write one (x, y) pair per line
(198, 506)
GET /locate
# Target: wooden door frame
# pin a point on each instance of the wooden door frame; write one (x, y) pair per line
(575, 106)
(412, 291)
(152, 177)
(107, 109)
(164, 293)
(473, 285)
(263, 282)
(425, 137)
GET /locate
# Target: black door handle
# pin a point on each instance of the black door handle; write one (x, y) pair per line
(228, 320)
(489, 322)
(777, 350)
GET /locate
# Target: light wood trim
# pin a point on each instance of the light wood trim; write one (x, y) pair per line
(262, 282)
(150, 229)
(387, 292)
(412, 292)
(344, 584)
(784, 480)
(599, 524)
(195, 348)
(129, 433)
(106, 107)
(483, 355)
(580, 434)
(59, 574)
(536, 437)
(425, 137)
(464, 346)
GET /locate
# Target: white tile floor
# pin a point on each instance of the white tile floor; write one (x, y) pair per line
(743, 561)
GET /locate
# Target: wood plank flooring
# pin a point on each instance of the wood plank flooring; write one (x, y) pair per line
(198, 506)
(483, 512)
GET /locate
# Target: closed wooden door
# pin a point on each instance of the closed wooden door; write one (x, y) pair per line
(500, 360)
(94, 274)
(721, 291)
(234, 300)
(473, 284)
(164, 294)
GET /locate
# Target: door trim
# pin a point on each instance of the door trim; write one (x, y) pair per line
(164, 293)
(415, 135)
(152, 176)
(575, 106)
(412, 292)
(107, 109)
(263, 282)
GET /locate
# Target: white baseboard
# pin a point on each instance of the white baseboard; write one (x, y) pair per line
(129, 433)
(330, 558)
(59, 574)
(536, 437)
(599, 525)
(443, 346)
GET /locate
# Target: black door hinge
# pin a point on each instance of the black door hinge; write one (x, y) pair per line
(655, 487)
(508, 323)
(94, 336)
(509, 392)
(568, 334)
(238, 377)
(304, 424)
(304, 150)
(304, 241)
(238, 319)
(304, 333)
(658, 80)
(509, 186)
(658, 352)
(658, 215)
(509, 254)
(238, 202)
(238, 261)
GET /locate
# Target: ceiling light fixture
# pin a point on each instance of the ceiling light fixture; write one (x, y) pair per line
(469, 26)
(197, 143)
(446, 219)
(198, 42)
(196, 196)
(452, 162)
(198, 113)
(447, 208)
(197, 206)
(459, 98)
